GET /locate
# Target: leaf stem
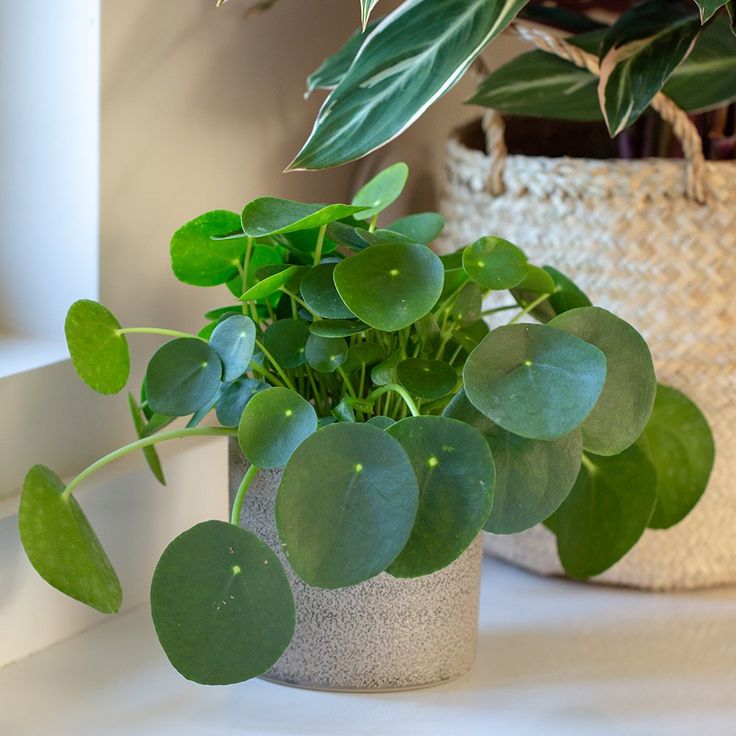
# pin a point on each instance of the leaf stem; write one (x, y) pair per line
(173, 434)
(240, 495)
(320, 241)
(276, 366)
(157, 331)
(528, 308)
(493, 310)
(400, 390)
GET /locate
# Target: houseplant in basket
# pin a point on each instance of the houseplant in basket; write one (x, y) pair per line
(646, 222)
(380, 426)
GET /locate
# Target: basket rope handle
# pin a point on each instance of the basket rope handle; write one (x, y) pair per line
(683, 128)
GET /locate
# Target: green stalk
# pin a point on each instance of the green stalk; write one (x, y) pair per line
(528, 308)
(276, 366)
(320, 241)
(153, 439)
(240, 495)
(400, 390)
(157, 331)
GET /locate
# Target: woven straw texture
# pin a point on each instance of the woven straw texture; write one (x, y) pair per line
(627, 234)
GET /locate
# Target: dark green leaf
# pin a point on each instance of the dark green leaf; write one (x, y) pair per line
(274, 423)
(271, 215)
(183, 375)
(343, 412)
(423, 227)
(678, 442)
(638, 54)
(455, 474)
(381, 191)
(534, 381)
(494, 263)
(234, 340)
(150, 454)
(346, 505)
(466, 307)
(385, 371)
(234, 398)
(709, 7)
(428, 379)
(606, 512)
(221, 604)
(363, 353)
(99, 353)
(199, 259)
(566, 295)
(626, 402)
(286, 340)
(471, 336)
(62, 546)
(381, 422)
(320, 294)
(414, 57)
(407, 277)
(533, 477)
(537, 282)
(337, 327)
(428, 332)
(326, 354)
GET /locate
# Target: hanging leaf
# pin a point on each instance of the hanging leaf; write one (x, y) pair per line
(274, 423)
(427, 379)
(381, 191)
(270, 284)
(638, 54)
(606, 512)
(234, 340)
(221, 604)
(534, 381)
(320, 293)
(626, 402)
(99, 352)
(455, 474)
(234, 398)
(346, 505)
(326, 354)
(199, 256)
(150, 454)
(678, 442)
(413, 57)
(423, 227)
(62, 546)
(533, 477)
(408, 277)
(271, 215)
(286, 340)
(182, 376)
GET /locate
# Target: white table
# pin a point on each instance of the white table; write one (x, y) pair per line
(555, 657)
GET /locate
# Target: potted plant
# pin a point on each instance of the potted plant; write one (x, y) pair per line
(380, 426)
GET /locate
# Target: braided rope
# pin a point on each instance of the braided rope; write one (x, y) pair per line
(682, 126)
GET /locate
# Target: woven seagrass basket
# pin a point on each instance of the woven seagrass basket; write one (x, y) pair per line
(654, 240)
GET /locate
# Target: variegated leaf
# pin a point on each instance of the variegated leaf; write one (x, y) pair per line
(366, 6)
(731, 7)
(413, 57)
(709, 7)
(638, 55)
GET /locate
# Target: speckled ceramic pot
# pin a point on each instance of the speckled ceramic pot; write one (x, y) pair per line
(384, 634)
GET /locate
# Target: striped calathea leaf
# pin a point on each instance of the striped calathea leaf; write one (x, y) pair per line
(412, 57)
(366, 6)
(708, 8)
(637, 56)
(731, 7)
(539, 84)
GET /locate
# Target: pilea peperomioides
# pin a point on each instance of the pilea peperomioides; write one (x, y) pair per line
(361, 363)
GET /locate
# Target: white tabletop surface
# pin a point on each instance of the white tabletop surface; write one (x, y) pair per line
(554, 657)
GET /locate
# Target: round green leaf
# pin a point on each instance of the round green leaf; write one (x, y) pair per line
(428, 379)
(390, 286)
(337, 327)
(198, 258)
(567, 295)
(234, 340)
(346, 505)
(363, 354)
(533, 477)
(536, 282)
(626, 402)
(385, 371)
(678, 442)
(272, 215)
(221, 604)
(494, 263)
(183, 376)
(274, 423)
(269, 285)
(533, 380)
(230, 405)
(471, 336)
(455, 474)
(606, 512)
(381, 191)
(466, 307)
(286, 340)
(423, 227)
(320, 294)
(62, 546)
(99, 353)
(381, 422)
(326, 354)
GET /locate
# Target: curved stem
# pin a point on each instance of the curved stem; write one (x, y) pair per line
(157, 331)
(320, 241)
(528, 308)
(240, 495)
(276, 366)
(261, 371)
(400, 390)
(174, 434)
